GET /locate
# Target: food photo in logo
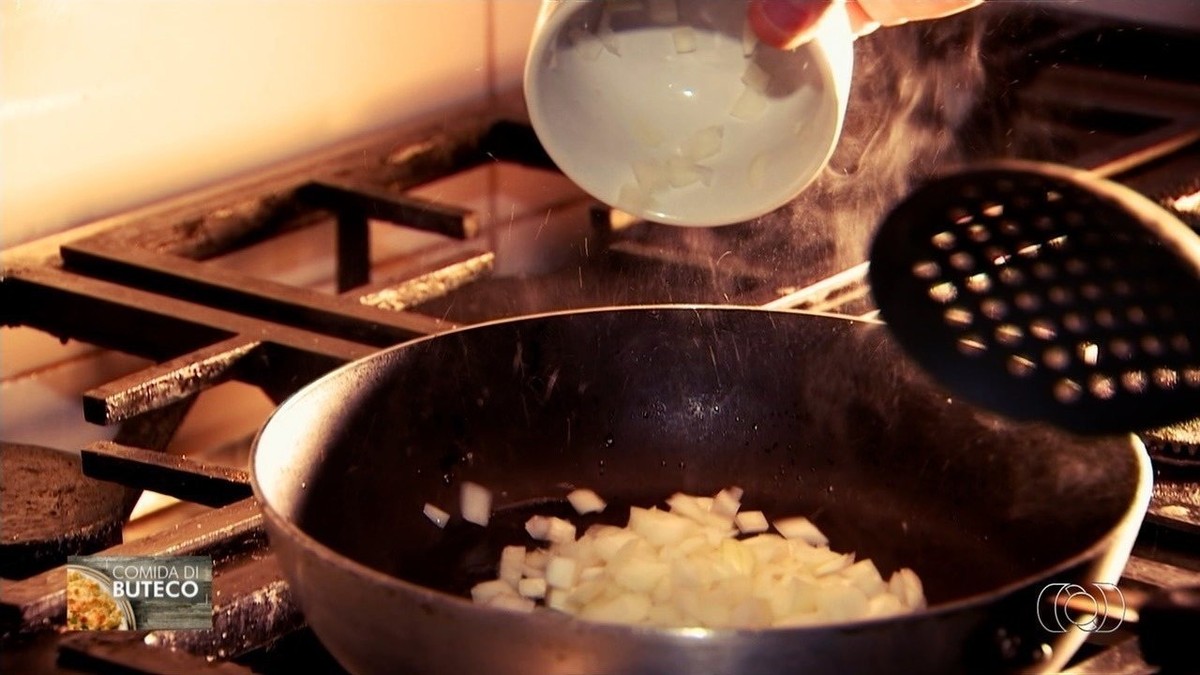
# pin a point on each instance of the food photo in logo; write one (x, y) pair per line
(91, 604)
(139, 593)
(1092, 607)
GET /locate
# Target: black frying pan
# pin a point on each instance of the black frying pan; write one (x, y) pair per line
(812, 415)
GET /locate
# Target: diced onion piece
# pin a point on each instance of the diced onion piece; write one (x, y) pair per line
(749, 105)
(640, 574)
(838, 602)
(801, 528)
(905, 584)
(686, 567)
(605, 34)
(561, 571)
(727, 502)
(884, 604)
(588, 45)
(755, 78)
(682, 173)
(751, 522)
(757, 174)
(749, 39)
(591, 573)
(632, 198)
(536, 560)
(475, 503)
(532, 588)
(538, 527)
(865, 576)
(485, 591)
(586, 501)
(436, 515)
(767, 548)
(704, 143)
(586, 592)
(659, 528)
(685, 39)
(663, 11)
(513, 603)
(666, 616)
(737, 558)
(626, 608)
(751, 612)
(560, 531)
(557, 598)
(651, 175)
(610, 543)
(833, 565)
(512, 560)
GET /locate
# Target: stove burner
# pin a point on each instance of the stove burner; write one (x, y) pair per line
(1177, 445)
(49, 510)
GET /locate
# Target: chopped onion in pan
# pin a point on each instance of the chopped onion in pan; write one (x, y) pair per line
(801, 528)
(561, 531)
(532, 588)
(486, 591)
(475, 503)
(751, 522)
(512, 565)
(586, 501)
(686, 567)
(436, 515)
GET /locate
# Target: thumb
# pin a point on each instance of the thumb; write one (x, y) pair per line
(785, 23)
(788, 23)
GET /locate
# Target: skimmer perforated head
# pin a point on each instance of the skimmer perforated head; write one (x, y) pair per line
(1046, 293)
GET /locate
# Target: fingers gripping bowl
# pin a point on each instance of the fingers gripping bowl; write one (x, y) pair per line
(671, 111)
(815, 416)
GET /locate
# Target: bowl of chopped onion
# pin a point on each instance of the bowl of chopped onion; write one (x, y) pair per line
(672, 111)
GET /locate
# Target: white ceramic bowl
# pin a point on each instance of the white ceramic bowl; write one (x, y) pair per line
(616, 84)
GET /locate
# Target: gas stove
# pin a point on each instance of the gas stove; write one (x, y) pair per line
(273, 280)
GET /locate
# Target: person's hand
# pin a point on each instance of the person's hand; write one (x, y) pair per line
(788, 23)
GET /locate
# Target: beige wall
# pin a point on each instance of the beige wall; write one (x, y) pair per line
(109, 104)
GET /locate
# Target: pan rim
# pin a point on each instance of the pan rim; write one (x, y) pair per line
(1117, 541)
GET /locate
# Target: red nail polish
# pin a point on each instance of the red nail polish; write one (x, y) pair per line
(784, 23)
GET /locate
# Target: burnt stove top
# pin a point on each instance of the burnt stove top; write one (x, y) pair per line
(279, 278)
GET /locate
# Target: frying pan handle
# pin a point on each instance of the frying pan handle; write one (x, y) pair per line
(1168, 625)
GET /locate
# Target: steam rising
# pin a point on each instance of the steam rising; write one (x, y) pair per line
(914, 88)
